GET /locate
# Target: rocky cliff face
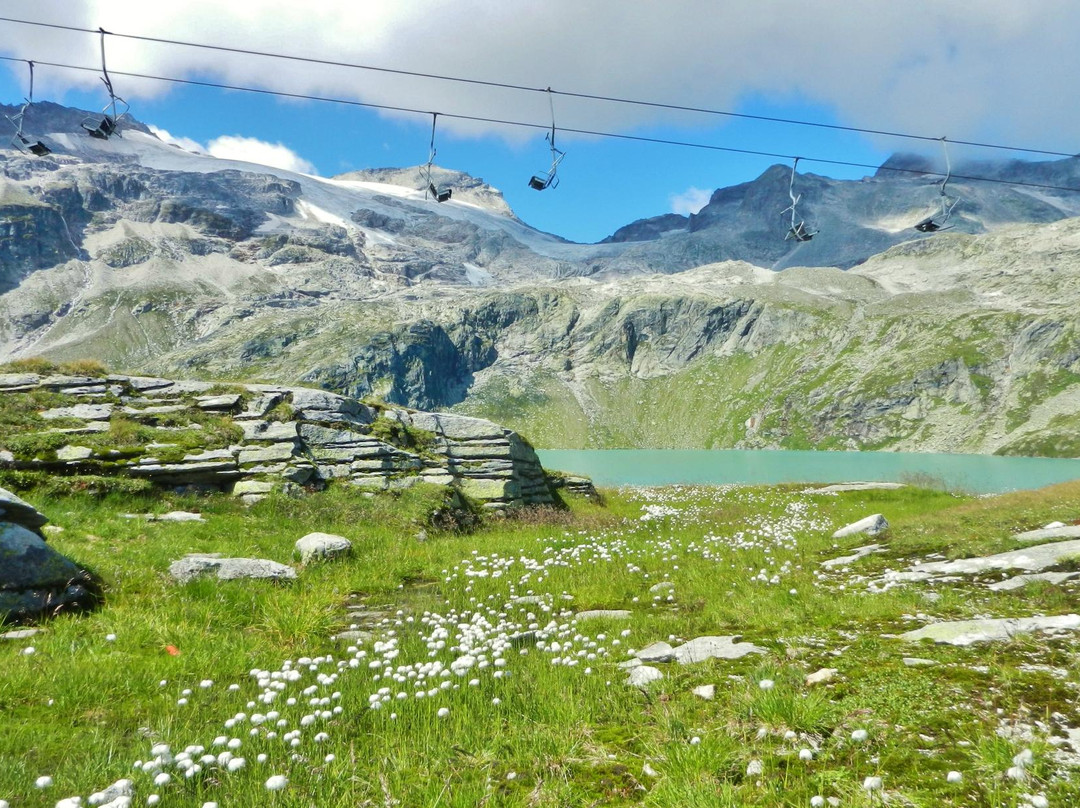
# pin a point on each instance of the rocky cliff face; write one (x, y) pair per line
(159, 261)
(252, 439)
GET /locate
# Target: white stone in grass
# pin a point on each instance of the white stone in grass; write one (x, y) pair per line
(870, 526)
(643, 676)
(1038, 801)
(322, 547)
(657, 652)
(1016, 773)
(821, 676)
(806, 754)
(707, 692)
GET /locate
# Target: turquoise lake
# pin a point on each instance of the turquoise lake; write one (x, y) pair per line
(980, 474)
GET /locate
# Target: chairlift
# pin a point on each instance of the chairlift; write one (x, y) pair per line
(103, 126)
(937, 222)
(27, 145)
(798, 229)
(440, 193)
(540, 182)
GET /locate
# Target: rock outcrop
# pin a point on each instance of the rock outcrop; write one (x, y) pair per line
(252, 439)
(35, 580)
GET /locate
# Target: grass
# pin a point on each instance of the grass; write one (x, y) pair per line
(744, 561)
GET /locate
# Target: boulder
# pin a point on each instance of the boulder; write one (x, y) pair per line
(871, 526)
(968, 632)
(322, 547)
(36, 580)
(604, 614)
(229, 569)
(13, 509)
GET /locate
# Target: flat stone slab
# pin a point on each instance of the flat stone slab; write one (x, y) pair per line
(84, 412)
(604, 614)
(857, 553)
(871, 526)
(1018, 581)
(1031, 559)
(657, 652)
(644, 675)
(229, 569)
(707, 692)
(225, 402)
(1042, 534)
(821, 676)
(703, 648)
(840, 488)
(20, 634)
(968, 632)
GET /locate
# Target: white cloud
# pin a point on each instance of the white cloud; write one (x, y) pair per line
(185, 143)
(237, 147)
(690, 201)
(997, 69)
(253, 150)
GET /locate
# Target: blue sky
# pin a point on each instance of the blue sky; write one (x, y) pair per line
(861, 65)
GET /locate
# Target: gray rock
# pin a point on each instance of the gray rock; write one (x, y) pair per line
(1031, 559)
(604, 614)
(657, 652)
(228, 569)
(1018, 581)
(707, 692)
(663, 586)
(36, 580)
(225, 402)
(85, 412)
(271, 431)
(66, 453)
(266, 454)
(871, 526)
(19, 381)
(20, 634)
(14, 509)
(918, 662)
(703, 648)
(643, 676)
(1060, 532)
(968, 632)
(252, 487)
(158, 409)
(353, 635)
(456, 427)
(857, 553)
(322, 547)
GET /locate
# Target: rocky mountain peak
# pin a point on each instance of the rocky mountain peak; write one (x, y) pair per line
(466, 187)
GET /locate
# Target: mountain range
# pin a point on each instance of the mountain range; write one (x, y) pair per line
(704, 331)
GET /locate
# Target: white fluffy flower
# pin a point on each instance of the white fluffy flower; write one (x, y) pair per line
(43, 782)
(277, 782)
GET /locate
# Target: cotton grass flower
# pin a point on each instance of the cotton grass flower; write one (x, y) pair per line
(817, 801)
(766, 684)
(277, 782)
(443, 712)
(872, 784)
(859, 735)
(153, 799)
(954, 777)
(43, 782)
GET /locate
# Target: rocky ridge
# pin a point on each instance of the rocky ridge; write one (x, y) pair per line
(252, 439)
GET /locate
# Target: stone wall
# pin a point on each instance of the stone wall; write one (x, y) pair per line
(274, 436)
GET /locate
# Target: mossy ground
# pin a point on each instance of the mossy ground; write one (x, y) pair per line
(83, 709)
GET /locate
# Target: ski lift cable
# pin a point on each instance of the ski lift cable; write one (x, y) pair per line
(544, 126)
(525, 88)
